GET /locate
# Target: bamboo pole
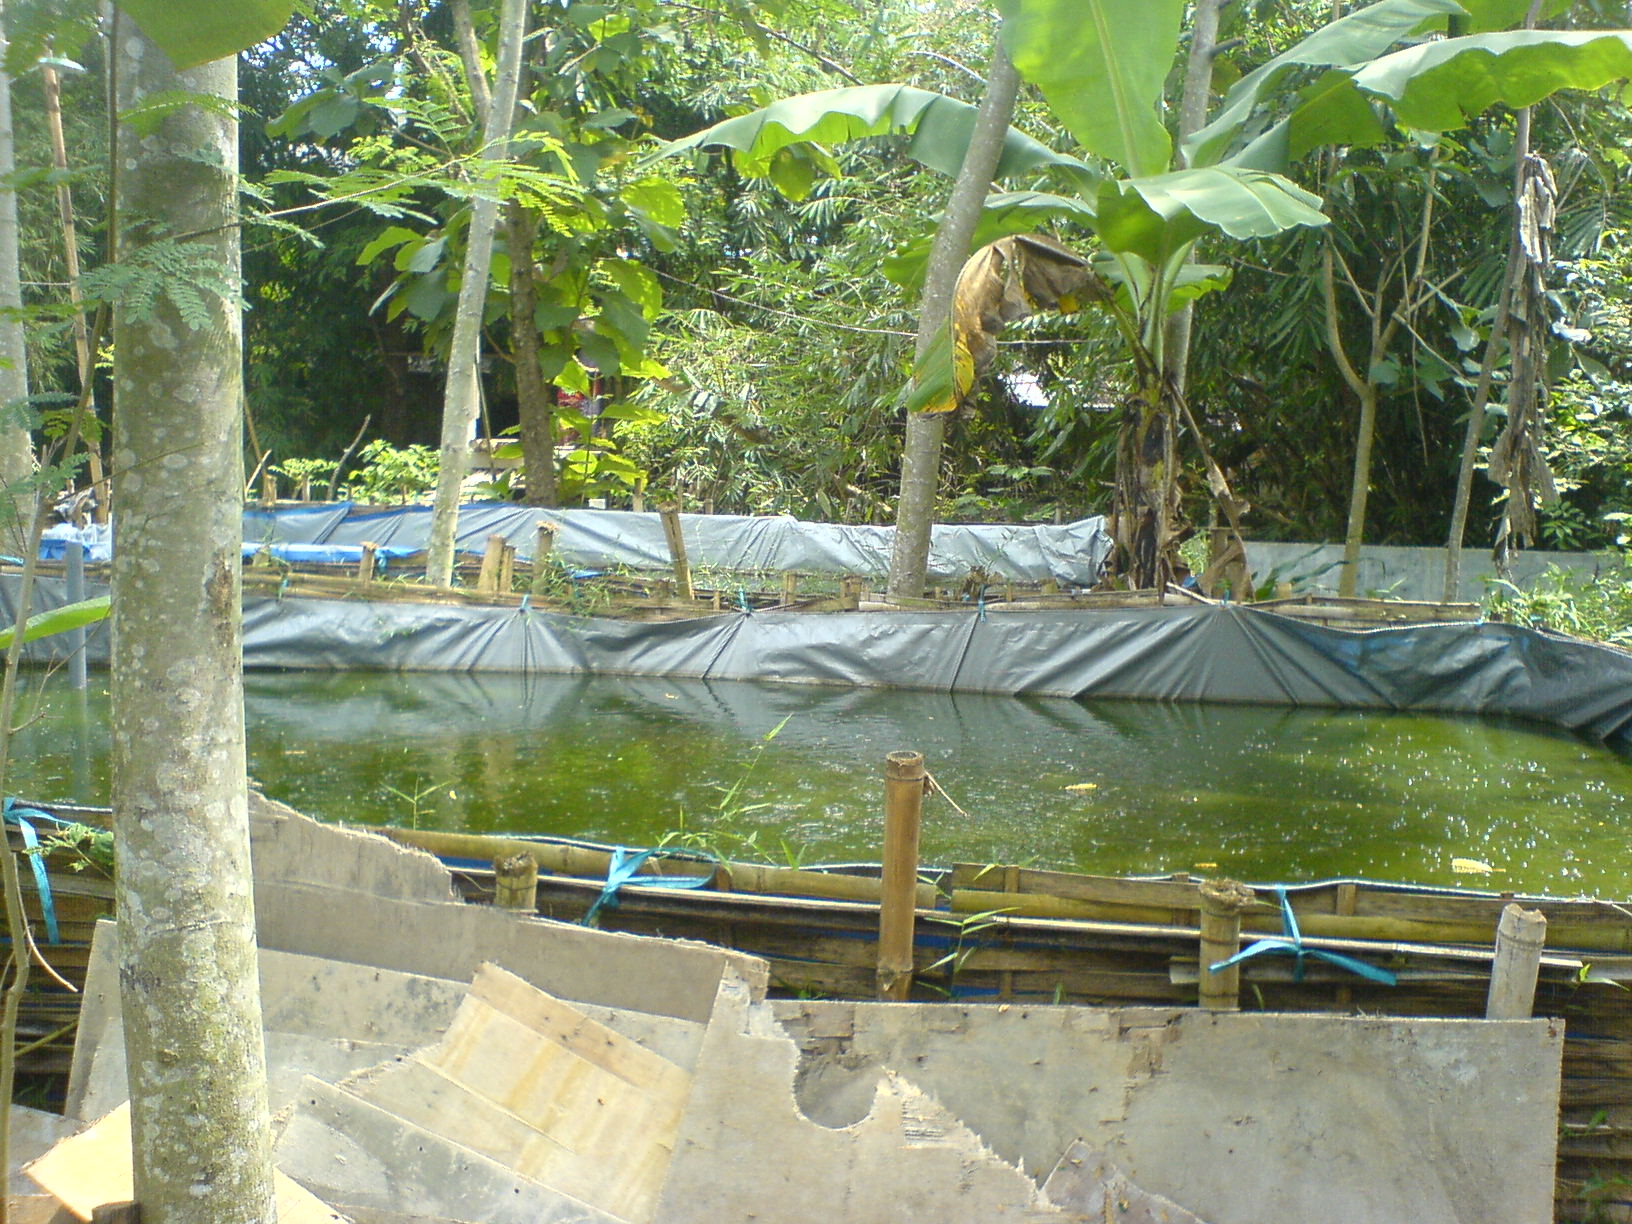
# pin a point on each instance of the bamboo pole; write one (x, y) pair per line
(1520, 935)
(487, 580)
(637, 500)
(269, 488)
(904, 780)
(585, 862)
(366, 565)
(1222, 903)
(790, 586)
(850, 591)
(507, 567)
(515, 883)
(670, 513)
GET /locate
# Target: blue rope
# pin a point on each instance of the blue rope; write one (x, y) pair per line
(1293, 945)
(623, 867)
(526, 603)
(742, 601)
(18, 815)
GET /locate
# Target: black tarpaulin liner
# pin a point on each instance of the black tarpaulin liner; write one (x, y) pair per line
(1071, 554)
(1188, 653)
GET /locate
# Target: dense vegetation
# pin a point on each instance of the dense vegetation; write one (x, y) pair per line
(737, 324)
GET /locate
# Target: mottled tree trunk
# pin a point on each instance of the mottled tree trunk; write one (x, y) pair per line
(921, 453)
(461, 398)
(187, 957)
(16, 455)
(533, 401)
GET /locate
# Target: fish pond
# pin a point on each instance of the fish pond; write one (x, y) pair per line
(792, 774)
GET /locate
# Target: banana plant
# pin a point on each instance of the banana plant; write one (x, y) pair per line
(1101, 66)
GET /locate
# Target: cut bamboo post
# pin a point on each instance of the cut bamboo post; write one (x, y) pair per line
(269, 489)
(850, 591)
(637, 500)
(487, 579)
(366, 564)
(790, 586)
(1222, 902)
(515, 883)
(116, 1213)
(543, 546)
(1520, 936)
(903, 812)
(670, 512)
(305, 493)
(507, 567)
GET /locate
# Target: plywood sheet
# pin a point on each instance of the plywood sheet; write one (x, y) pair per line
(93, 1168)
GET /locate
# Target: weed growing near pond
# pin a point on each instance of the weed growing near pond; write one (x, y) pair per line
(1599, 607)
(717, 833)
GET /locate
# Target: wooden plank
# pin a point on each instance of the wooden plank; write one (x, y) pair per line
(569, 1028)
(94, 1167)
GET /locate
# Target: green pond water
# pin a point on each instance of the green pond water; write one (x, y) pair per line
(1262, 793)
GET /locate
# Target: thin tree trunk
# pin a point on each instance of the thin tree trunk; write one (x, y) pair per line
(921, 451)
(16, 454)
(533, 405)
(1198, 85)
(70, 249)
(461, 400)
(189, 991)
(1498, 336)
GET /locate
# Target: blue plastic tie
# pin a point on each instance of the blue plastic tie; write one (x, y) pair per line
(18, 815)
(742, 601)
(1293, 945)
(623, 867)
(982, 603)
(526, 603)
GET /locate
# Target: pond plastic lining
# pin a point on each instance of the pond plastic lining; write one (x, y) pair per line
(1189, 653)
(1071, 554)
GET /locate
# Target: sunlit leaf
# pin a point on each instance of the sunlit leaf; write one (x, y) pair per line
(1101, 64)
(194, 32)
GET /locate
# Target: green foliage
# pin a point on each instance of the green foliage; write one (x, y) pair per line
(1101, 65)
(86, 847)
(392, 473)
(193, 32)
(1599, 607)
(58, 620)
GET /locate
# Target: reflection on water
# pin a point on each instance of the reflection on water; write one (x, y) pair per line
(1264, 793)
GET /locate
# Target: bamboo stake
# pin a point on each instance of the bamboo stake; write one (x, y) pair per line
(269, 489)
(487, 581)
(1520, 935)
(1222, 902)
(790, 586)
(637, 500)
(507, 568)
(543, 545)
(515, 883)
(670, 512)
(904, 780)
(365, 566)
(850, 591)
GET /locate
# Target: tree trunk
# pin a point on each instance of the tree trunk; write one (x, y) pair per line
(921, 451)
(187, 958)
(533, 404)
(1359, 492)
(1146, 490)
(1487, 366)
(16, 455)
(461, 396)
(1198, 85)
